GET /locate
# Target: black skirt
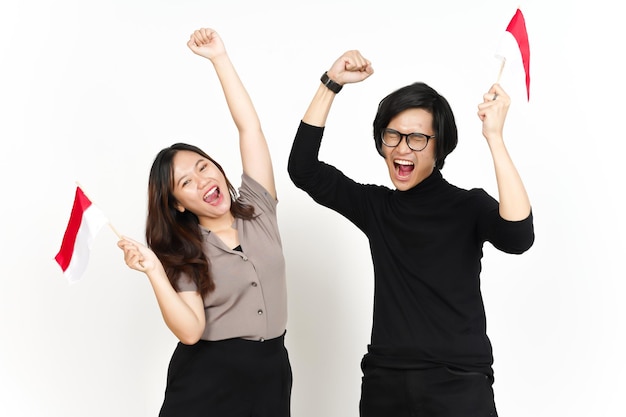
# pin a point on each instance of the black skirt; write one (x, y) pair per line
(229, 378)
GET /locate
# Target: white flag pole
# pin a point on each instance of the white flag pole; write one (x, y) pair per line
(501, 69)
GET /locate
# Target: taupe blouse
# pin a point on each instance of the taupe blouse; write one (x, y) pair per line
(250, 296)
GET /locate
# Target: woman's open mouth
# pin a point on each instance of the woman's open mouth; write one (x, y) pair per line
(212, 195)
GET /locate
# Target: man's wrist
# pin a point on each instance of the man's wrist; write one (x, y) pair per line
(330, 84)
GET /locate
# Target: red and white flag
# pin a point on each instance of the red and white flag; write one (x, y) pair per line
(85, 222)
(514, 48)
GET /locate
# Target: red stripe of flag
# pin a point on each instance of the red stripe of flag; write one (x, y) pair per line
(81, 204)
(517, 28)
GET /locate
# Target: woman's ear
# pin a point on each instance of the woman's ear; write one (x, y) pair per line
(179, 207)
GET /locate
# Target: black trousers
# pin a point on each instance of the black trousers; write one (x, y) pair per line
(229, 378)
(434, 392)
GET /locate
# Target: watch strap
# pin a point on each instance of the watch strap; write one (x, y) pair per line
(330, 84)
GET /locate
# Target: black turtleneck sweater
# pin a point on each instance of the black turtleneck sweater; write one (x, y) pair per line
(426, 247)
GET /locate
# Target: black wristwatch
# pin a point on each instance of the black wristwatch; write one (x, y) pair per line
(330, 84)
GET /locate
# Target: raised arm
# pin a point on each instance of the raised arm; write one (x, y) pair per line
(183, 312)
(255, 155)
(351, 67)
(514, 201)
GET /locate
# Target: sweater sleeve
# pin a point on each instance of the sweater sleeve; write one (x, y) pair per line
(513, 237)
(303, 160)
(323, 182)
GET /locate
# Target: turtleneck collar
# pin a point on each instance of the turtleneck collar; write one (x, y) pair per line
(433, 181)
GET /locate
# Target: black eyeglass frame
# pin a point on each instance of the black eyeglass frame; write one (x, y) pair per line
(406, 138)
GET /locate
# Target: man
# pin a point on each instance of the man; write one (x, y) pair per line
(429, 354)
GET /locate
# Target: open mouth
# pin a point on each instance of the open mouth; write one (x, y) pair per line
(403, 168)
(212, 195)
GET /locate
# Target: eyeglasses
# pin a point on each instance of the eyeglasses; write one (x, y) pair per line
(415, 141)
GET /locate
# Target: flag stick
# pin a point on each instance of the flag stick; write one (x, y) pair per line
(115, 231)
(501, 69)
(109, 223)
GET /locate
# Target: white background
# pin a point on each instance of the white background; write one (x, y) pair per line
(90, 91)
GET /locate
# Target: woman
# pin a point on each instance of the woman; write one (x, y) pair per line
(215, 263)
(429, 353)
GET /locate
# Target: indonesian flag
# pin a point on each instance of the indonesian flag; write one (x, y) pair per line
(515, 48)
(86, 220)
